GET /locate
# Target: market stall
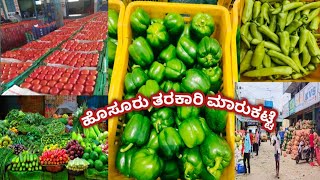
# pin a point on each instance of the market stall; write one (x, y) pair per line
(68, 61)
(56, 147)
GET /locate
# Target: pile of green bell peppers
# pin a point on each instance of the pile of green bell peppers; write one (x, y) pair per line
(278, 40)
(173, 142)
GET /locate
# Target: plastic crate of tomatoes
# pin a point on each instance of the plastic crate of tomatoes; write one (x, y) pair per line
(25, 54)
(90, 36)
(41, 45)
(73, 45)
(74, 59)
(61, 81)
(51, 37)
(10, 71)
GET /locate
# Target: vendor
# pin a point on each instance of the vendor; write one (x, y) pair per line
(17, 17)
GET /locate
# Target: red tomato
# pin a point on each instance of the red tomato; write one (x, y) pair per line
(51, 83)
(83, 76)
(93, 72)
(76, 71)
(78, 87)
(63, 79)
(81, 81)
(48, 77)
(26, 85)
(85, 71)
(43, 82)
(36, 87)
(75, 93)
(51, 72)
(45, 89)
(33, 75)
(56, 77)
(28, 80)
(54, 91)
(41, 76)
(11, 76)
(59, 73)
(59, 85)
(92, 77)
(64, 92)
(89, 89)
(69, 70)
(35, 81)
(72, 80)
(90, 83)
(19, 65)
(73, 75)
(20, 71)
(66, 75)
(68, 87)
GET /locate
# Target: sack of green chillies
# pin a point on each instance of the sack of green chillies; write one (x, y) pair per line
(173, 142)
(278, 39)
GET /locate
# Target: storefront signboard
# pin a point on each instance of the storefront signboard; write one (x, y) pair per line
(292, 106)
(310, 95)
(285, 110)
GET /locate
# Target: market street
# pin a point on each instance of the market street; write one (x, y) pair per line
(263, 167)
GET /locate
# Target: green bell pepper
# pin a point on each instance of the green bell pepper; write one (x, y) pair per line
(192, 163)
(205, 175)
(185, 112)
(216, 119)
(175, 69)
(209, 52)
(112, 48)
(202, 25)
(156, 20)
(170, 171)
(162, 118)
(130, 114)
(215, 77)
(146, 164)
(113, 17)
(141, 52)
(151, 87)
(153, 142)
(135, 79)
(186, 31)
(157, 36)
(170, 142)
(156, 71)
(174, 23)
(136, 132)
(167, 54)
(216, 154)
(191, 132)
(139, 20)
(187, 50)
(166, 86)
(195, 80)
(123, 161)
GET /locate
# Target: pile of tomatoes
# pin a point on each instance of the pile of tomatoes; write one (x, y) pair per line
(11, 70)
(73, 45)
(74, 59)
(61, 81)
(90, 35)
(25, 54)
(51, 37)
(41, 45)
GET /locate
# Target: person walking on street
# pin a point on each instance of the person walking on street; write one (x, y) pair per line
(251, 141)
(257, 142)
(247, 150)
(311, 143)
(277, 151)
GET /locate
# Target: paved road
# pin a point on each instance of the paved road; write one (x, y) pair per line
(263, 167)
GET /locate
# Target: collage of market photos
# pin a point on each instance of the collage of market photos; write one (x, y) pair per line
(159, 89)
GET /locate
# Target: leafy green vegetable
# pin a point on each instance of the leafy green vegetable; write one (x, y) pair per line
(76, 123)
(6, 155)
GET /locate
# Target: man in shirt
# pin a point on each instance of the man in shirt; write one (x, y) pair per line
(311, 143)
(247, 150)
(277, 151)
(251, 141)
(257, 137)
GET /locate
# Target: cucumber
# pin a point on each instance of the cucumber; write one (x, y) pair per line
(20, 169)
(19, 165)
(27, 158)
(40, 168)
(33, 163)
(9, 167)
(29, 169)
(23, 165)
(30, 164)
(14, 165)
(17, 160)
(21, 159)
(32, 169)
(31, 157)
(27, 165)
(24, 169)
(35, 158)
(36, 168)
